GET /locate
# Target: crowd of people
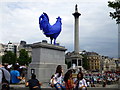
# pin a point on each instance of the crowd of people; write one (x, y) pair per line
(104, 78)
(9, 76)
(59, 80)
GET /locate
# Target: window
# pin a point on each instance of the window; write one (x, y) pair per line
(79, 63)
(74, 61)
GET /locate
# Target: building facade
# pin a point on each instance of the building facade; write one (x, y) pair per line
(93, 60)
(2, 49)
(110, 64)
(10, 47)
(27, 47)
(15, 48)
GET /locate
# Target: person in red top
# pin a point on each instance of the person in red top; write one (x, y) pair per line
(68, 80)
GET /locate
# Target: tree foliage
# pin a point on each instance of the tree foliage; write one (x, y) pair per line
(24, 58)
(85, 62)
(115, 5)
(9, 58)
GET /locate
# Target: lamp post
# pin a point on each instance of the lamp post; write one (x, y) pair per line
(116, 15)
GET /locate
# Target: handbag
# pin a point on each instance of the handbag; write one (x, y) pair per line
(52, 81)
(83, 87)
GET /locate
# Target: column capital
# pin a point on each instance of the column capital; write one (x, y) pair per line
(76, 14)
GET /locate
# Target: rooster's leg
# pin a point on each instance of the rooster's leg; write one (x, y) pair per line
(51, 39)
(54, 41)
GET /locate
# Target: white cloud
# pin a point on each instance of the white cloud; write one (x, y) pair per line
(19, 21)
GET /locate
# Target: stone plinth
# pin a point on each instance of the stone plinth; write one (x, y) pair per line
(45, 58)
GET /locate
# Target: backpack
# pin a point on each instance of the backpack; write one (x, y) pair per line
(83, 87)
(80, 88)
(5, 83)
(51, 83)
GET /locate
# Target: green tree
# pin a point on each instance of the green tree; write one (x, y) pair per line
(9, 58)
(24, 58)
(116, 15)
(115, 5)
(85, 62)
(0, 58)
(68, 64)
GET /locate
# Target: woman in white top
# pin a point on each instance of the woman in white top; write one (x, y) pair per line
(80, 82)
(58, 77)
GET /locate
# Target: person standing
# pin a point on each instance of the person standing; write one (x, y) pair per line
(4, 75)
(104, 83)
(80, 82)
(15, 75)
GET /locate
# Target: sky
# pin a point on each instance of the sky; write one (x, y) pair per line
(19, 20)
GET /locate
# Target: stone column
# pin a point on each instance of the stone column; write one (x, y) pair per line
(76, 35)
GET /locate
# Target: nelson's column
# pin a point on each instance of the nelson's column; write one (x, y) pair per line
(74, 58)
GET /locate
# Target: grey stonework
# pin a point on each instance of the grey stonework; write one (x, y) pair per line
(45, 58)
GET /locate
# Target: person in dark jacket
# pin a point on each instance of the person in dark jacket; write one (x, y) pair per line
(33, 83)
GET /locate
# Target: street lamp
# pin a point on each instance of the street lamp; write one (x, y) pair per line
(116, 15)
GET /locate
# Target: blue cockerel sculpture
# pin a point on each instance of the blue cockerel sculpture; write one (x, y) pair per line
(51, 31)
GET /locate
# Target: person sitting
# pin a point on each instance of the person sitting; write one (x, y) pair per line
(33, 83)
(80, 82)
(58, 78)
(69, 84)
(15, 75)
